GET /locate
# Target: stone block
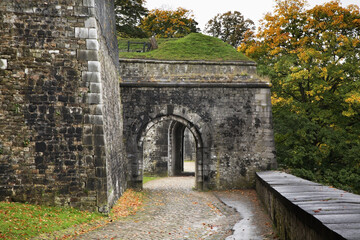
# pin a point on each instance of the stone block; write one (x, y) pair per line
(81, 32)
(3, 64)
(91, 77)
(87, 55)
(89, 3)
(87, 140)
(100, 161)
(87, 129)
(99, 140)
(81, 11)
(95, 87)
(93, 98)
(95, 119)
(92, 44)
(93, 33)
(98, 130)
(90, 22)
(100, 172)
(96, 109)
(92, 11)
(99, 151)
(94, 66)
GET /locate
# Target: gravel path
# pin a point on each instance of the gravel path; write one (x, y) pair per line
(175, 211)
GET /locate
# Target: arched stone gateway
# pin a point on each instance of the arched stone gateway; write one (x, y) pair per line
(175, 135)
(225, 106)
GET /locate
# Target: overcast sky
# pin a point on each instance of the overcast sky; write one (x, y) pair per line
(204, 10)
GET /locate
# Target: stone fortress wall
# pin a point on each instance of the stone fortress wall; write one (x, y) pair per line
(60, 139)
(224, 103)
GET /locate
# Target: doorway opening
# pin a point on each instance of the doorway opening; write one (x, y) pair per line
(171, 146)
(189, 150)
(182, 150)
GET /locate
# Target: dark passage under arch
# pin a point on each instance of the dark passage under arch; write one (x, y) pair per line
(176, 151)
(172, 129)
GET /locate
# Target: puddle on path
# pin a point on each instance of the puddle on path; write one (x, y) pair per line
(244, 229)
(254, 223)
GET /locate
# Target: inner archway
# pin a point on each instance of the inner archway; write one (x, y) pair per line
(177, 131)
(189, 150)
(178, 144)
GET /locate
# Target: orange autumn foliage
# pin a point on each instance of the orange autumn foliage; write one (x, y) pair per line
(128, 204)
(169, 23)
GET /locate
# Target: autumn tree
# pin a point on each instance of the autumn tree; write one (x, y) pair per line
(169, 23)
(312, 57)
(230, 27)
(128, 14)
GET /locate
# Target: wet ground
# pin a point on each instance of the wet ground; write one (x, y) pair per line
(175, 211)
(254, 222)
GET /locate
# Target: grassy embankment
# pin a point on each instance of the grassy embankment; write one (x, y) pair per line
(194, 46)
(25, 221)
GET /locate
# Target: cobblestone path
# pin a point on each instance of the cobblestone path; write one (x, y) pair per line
(174, 211)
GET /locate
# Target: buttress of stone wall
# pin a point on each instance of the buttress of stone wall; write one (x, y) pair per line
(103, 96)
(110, 101)
(53, 134)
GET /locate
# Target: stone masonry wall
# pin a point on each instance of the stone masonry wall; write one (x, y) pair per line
(156, 149)
(159, 71)
(54, 84)
(232, 118)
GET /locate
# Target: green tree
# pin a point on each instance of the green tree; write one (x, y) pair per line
(169, 23)
(128, 16)
(230, 27)
(312, 58)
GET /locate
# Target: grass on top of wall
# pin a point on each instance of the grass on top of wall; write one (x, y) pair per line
(123, 43)
(194, 46)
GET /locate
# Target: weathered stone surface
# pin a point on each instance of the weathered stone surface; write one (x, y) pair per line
(159, 71)
(156, 149)
(51, 89)
(92, 44)
(301, 209)
(231, 122)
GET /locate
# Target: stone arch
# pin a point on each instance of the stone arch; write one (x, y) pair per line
(175, 134)
(174, 118)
